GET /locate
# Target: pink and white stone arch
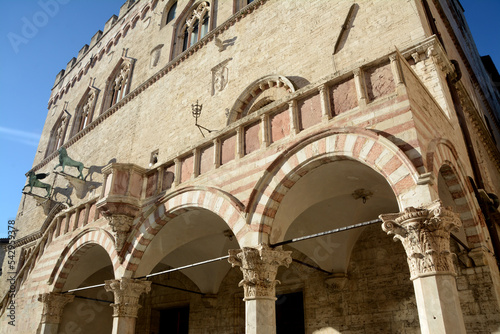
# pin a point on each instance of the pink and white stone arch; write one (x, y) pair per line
(356, 144)
(228, 208)
(443, 158)
(76, 248)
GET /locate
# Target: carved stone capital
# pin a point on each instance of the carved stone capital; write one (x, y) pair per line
(120, 225)
(53, 306)
(127, 292)
(259, 267)
(425, 234)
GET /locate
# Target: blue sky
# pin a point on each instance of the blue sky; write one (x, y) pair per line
(39, 37)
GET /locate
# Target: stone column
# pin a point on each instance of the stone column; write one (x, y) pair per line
(127, 292)
(259, 266)
(425, 234)
(53, 306)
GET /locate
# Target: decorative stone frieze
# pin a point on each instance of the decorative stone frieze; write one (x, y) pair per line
(127, 292)
(425, 234)
(53, 306)
(259, 267)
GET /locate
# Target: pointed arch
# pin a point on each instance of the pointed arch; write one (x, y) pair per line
(81, 243)
(194, 23)
(118, 83)
(254, 96)
(58, 133)
(85, 110)
(357, 144)
(227, 207)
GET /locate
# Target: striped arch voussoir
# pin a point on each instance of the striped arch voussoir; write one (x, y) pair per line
(77, 247)
(190, 198)
(442, 158)
(361, 145)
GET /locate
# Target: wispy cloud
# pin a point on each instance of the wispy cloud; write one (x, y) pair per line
(19, 136)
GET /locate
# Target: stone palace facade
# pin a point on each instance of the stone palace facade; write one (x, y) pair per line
(213, 134)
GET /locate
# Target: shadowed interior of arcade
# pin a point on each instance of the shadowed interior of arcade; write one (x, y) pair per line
(90, 310)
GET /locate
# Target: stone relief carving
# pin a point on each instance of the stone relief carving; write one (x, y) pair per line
(127, 292)
(259, 267)
(120, 224)
(220, 76)
(425, 234)
(155, 56)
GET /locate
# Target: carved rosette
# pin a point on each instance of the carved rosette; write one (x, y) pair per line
(127, 292)
(120, 225)
(425, 234)
(259, 267)
(53, 306)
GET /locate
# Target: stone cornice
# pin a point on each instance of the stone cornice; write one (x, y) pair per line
(478, 124)
(433, 48)
(471, 72)
(38, 234)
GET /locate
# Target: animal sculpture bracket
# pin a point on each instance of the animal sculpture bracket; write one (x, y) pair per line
(34, 182)
(43, 201)
(65, 160)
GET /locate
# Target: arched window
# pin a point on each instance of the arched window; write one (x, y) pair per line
(85, 110)
(197, 25)
(171, 12)
(58, 133)
(118, 83)
(240, 4)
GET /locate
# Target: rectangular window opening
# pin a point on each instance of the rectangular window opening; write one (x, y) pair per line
(290, 313)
